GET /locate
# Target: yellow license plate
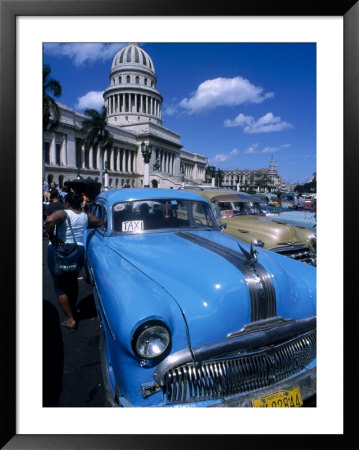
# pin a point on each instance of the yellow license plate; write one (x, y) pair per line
(288, 398)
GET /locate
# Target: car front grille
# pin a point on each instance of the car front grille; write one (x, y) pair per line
(229, 376)
(301, 253)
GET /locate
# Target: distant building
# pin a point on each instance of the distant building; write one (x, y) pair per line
(134, 112)
(260, 180)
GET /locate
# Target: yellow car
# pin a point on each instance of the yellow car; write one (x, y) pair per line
(241, 216)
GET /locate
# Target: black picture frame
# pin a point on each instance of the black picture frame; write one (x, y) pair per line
(9, 10)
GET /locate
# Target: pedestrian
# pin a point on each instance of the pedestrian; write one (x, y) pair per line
(53, 188)
(54, 205)
(300, 202)
(85, 202)
(66, 285)
(64, 191)
(45, 191)
(279, 199)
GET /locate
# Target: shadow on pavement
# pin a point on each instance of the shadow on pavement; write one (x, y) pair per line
(86, 308)
(53, 355)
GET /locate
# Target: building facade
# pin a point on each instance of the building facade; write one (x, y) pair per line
(259, 180)
(134, 116)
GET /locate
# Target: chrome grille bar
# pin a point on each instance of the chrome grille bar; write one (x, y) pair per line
(225, 377)
(299, 252)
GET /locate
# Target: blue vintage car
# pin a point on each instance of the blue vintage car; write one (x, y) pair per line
(191, 316)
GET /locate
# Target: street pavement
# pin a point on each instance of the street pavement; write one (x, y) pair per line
(71, 360)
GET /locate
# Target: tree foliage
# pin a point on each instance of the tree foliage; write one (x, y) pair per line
(94, 128)
(50, 110)
(307, 187)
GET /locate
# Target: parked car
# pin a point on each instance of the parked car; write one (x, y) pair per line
(308, 199)
(267, 202)
(305, 218)
(289, 199)
(191, 316)
(245, 220)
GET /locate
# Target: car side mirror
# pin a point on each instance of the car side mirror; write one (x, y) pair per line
(223, 226)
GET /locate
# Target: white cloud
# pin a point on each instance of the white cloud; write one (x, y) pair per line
(264, 124)
(274, 149)
(223, 157)
(83, 53)
(91, 100)
(223, 92)
(169, 110)
(251, 149)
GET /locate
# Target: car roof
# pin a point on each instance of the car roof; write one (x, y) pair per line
(238, 197)
(223, 195)
(132, 194)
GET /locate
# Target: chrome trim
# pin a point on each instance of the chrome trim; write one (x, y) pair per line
(251, 257)
(258, 280)
(258, 243)
(301, 253)
(260, 325)
(231, 375)
(239, 343)
(307, 382)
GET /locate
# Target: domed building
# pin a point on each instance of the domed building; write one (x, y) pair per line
(132, 96)
(134, 114)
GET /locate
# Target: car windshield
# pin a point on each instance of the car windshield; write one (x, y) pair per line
(229, 209)
(153, 214)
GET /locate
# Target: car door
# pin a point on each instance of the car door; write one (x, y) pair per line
(95, 240)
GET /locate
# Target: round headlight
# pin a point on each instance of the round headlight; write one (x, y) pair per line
(152, 341)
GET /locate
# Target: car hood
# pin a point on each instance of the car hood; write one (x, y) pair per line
(272, 234)
(211, 291)
(299, 218)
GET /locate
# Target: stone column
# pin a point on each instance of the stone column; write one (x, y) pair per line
(63, 157)
(53, 149)
(118, 160)
(112, 157)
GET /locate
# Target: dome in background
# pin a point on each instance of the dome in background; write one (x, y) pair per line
(132, 55)
(132, 97)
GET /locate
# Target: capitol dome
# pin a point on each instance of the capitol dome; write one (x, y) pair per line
(132, 55)
(132, 97)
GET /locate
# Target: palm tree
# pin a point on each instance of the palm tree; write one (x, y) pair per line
(96, 134)
(50, 110)
(219, 177)
(210, 173)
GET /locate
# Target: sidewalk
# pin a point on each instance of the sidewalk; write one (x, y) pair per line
(72, 368)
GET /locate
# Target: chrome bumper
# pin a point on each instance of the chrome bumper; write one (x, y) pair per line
(263, 357)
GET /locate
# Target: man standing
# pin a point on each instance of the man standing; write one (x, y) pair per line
(300, 202)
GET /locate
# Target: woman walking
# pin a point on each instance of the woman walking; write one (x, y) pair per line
(66, 285)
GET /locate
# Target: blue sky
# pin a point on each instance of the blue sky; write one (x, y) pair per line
(236, 104)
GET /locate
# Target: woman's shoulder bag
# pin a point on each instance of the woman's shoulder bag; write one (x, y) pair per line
(69, 257)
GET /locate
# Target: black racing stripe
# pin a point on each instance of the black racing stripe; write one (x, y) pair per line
(259, 282)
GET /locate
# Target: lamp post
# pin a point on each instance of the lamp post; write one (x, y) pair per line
(146, 151)
(106, 176)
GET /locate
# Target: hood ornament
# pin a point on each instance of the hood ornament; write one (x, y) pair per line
(251, 257)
